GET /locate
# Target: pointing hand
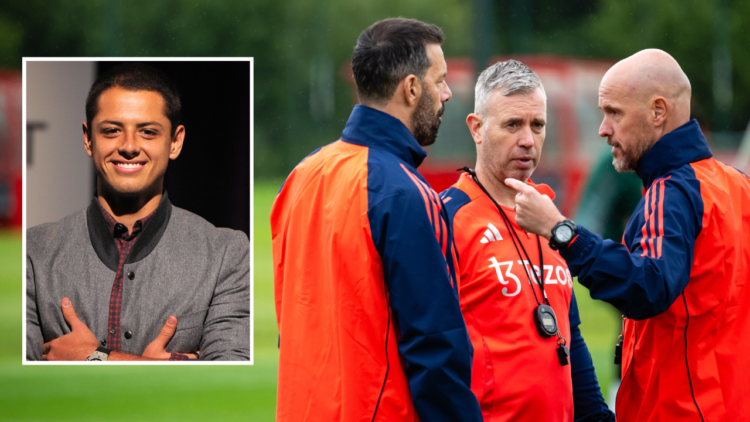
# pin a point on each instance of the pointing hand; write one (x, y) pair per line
(535, 212)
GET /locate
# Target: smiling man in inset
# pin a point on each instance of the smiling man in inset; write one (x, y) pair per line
(131, 261)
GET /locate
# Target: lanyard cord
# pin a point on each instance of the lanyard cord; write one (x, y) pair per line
(513, 237)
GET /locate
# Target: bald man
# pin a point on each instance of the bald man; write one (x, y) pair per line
(680, 275)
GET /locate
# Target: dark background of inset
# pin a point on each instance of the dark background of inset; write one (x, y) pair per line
(211, 177)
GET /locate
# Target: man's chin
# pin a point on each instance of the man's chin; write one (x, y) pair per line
(428, 138)
(621, 165)
(519, 174)
(425, 142)
(128, 190)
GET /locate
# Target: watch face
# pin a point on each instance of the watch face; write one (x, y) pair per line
(563, 234)
(98, 356)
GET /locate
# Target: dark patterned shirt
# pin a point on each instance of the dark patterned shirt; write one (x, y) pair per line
(125, 242)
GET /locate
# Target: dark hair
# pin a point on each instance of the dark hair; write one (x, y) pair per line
(136, 77)
(387, 52)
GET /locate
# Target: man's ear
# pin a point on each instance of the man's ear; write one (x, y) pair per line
(475, 124)
(660, 111)
(87, 141)
(411, 89)
(175, 146)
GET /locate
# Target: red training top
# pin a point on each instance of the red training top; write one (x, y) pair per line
(515, 371)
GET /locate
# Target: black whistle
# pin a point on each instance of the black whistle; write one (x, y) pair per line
(618, 354)
(562, 354)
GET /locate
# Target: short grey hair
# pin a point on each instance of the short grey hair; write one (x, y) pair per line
(511, 75)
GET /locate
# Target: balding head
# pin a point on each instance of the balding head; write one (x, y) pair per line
(644, 97)
(648, 74)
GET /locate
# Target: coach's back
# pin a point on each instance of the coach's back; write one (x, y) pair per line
(356, 229)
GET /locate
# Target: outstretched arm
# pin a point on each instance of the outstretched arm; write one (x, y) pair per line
(641, 282)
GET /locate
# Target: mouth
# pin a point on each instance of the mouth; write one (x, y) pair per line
(523, 162)
(128, 167)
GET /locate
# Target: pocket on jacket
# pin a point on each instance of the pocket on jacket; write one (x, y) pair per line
(191, 320)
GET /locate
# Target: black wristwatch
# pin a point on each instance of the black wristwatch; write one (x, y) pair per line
(101, 354)
(562, 234)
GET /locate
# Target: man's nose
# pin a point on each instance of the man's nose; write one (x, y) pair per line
(130, 146)
(526, 137)
(605, 129)
(446, 93)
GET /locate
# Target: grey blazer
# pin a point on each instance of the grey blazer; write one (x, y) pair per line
(183, 266)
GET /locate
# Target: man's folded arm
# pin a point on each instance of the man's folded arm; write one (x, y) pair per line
(433, 338)
(645, 282)
(226, 331)
(34, 337)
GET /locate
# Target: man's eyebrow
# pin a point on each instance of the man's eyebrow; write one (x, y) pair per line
(508, 120)
(539, 120)
(111, 122)
(144, 124)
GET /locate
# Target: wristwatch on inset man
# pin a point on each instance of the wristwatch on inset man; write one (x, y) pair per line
(562, 234)
(101, 354)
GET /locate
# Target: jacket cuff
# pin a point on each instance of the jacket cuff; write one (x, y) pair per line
(178, 356)
(582, 240)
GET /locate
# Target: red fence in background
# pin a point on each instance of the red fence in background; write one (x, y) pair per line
(11, 169)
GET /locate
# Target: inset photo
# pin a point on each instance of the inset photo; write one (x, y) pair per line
(137, 210)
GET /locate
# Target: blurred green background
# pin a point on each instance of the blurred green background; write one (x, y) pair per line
(302, 100)
(301, 47)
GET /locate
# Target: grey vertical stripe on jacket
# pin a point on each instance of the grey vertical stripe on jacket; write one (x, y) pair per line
(183, 266)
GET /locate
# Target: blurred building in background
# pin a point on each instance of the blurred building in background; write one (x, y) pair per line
(10, 149)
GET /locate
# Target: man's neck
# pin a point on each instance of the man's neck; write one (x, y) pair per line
(127, 210)
(396, 110)
(497, 189)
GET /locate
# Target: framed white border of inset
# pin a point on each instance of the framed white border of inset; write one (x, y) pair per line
(251, 61)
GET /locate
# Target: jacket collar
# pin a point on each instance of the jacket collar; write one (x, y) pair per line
(684, 145)
(104, 243)
(375, 129)
(467, 184)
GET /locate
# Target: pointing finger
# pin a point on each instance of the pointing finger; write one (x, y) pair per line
(518, 185)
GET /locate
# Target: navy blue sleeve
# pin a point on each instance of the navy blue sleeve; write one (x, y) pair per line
(588, 403)
(411, 237)
(573, 315)
(644, 281)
